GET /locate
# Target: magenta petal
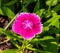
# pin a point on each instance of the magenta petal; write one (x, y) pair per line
(37, 28)
(22, 17)
(16, 27)
(35, 18)
(27, 34)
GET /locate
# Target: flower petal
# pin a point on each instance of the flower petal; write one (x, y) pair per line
(22, 17)
(37, 28)
(27, 34)
(16, 27)
(34, 18)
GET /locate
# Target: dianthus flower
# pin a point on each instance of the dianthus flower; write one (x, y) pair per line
(27, 25)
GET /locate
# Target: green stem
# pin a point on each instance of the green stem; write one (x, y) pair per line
(24, 44)
(0, 3)
(10, 22)
(51, 1)
(23, 47)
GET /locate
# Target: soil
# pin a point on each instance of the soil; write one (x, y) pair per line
(3, 23)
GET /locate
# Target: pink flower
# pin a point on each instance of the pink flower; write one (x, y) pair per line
(27, 25)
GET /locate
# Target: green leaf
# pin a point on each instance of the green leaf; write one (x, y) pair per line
(40, 12)
(45, 28)
(58, 0)
(37, 6)
(53, 47)
(1, 12)
(52, 20)
(10, 34)
(49, 45)
(47, 13)
(15, 43)
(47, 37)
(46, 52)
(10, 3)
(27, 2)
(56, 24)
(9, 51)
(37, 50)
(8, 12)
(48, 2)
(24, 9)
(57, 8)
(0, 3)
(59, 16)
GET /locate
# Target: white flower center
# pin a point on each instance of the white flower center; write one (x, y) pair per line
(27, 24)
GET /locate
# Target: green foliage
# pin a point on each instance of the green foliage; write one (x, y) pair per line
(1, 11)
(53, 2)
(10, 3)
(8, 12)
(56, 8)
(9, 51)
(37, 6)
